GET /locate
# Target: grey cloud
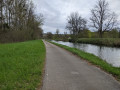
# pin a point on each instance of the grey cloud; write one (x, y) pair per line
(56, 11)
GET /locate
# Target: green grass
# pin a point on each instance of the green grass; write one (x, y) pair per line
(115, 71)
(101, 41)
(21, 65)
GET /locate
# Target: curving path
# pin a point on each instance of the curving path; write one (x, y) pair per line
(65, 71)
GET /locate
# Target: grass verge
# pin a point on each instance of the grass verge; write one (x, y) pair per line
(21, 65)
(115, 71)
(101, 41)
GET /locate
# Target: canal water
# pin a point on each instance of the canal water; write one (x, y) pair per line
(109, 54)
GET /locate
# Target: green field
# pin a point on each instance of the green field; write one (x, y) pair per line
(101, 41)
(21, 65)
(115, 71)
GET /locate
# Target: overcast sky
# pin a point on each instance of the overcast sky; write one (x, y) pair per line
(56, 11)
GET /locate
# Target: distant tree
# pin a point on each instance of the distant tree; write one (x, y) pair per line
(65, 35)
(114, 33)
(75, 24)
(57, 31)
(118, 30)
(119, 33)
(85, 34)
(57, 34)
(49, 35)
(102, 19)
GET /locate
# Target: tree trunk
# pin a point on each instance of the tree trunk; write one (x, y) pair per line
(100, 34)
(119, 33)
(1, 9)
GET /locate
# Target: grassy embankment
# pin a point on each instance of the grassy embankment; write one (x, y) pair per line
(115, 71)
(21, 65)
(101, 41)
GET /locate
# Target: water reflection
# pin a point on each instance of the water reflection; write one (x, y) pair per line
(109, 54)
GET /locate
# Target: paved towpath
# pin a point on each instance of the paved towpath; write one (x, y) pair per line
(65, 71)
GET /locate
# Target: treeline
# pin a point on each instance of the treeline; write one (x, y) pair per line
(18, 21)
(114, 42)
(83, 34)
(57, 36)
(102, 21)
(114, 33)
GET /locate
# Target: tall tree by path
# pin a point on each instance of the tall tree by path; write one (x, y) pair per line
(102, 18)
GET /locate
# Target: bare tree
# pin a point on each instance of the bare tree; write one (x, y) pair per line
(57, 35)
(57, 31)
(75, 23)
(1, 14)
(102, 19)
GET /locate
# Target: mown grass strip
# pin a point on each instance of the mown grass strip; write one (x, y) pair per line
(115, 71)
(101, 41)
(21, 65)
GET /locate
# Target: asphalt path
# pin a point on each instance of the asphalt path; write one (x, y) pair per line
(65, 71)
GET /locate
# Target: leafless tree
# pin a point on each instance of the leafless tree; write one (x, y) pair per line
(1, 14)
(101, 17)
(75, 23)
(57, 31)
